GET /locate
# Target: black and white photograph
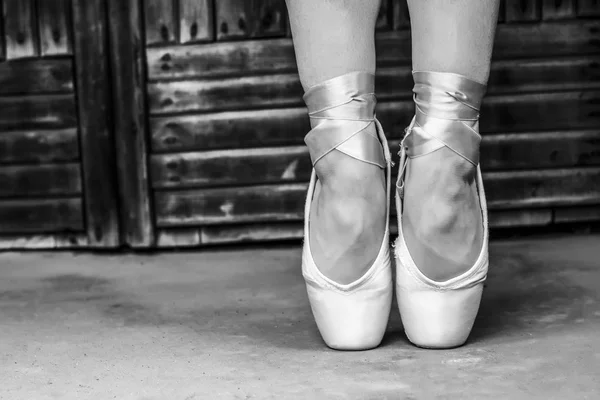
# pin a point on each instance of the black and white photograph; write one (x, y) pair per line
(299, 199)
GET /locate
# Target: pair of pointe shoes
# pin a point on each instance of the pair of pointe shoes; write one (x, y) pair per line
(435, 314)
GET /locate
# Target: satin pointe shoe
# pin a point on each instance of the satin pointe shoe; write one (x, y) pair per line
(441, 314)
(350, 316)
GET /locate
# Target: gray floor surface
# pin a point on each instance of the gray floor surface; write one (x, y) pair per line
(235, 324)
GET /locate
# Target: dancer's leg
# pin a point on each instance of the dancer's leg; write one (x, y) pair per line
(347, 220)
(442, 216)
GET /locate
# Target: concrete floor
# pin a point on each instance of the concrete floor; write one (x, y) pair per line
(235, 324)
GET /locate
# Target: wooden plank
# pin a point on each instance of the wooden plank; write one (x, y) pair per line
(20, 29)
(543, 188)
(40, 180)
(54, 27)
(210, 235)
(161, 25)
(285, 90)
(97, 141)
(260, 128)
(558, 9)
(130, 121)
(384, 17)
(37, 112)
(519, 218)
(41, 215)
(588, 8)
(2, 47)
(174, 237)
(522, 10)
(268, 203)
(42, 241)
(230, 205)
(17, 147)
(548, 39)
(292, 163)
(36, 76)
(502, 12)
(238, 19)
(400, 13)
(197, 24)
(577, 214)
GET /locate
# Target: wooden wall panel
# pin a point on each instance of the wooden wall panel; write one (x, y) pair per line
(285, 202)
(42, 180)
(588, 8)
(279, 90)
(36, 76)
(393, 49)
(2, 47)
(401, 17)
(197, 22)
(522, 10)
(95, 125)
(384, 17)
(130, 121)
(161, 21)
(39, 146)
(240, 167)
(558, 9)
(37, 112)
(54, 27)
(20, 29)
(239, 19)
(41, 215)
(261, 128)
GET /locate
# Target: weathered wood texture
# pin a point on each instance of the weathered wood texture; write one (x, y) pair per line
(95, 125)
(39, 146)
(161, 21)
(41, 215)
(40, 170)
(522, 10)
(285, 202)
(237, 19)
(551, 40)
(130, 122)
(227, 124)
(244, 129)
(558, 9)
(20, 29)
(197, 24)
(588, 8)
(36, 76)
(285, 90)
(44, 180)
(54, 26)
(37, 112)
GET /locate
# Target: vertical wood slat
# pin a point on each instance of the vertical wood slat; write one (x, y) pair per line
(197, 23)
(401, 19)
(558, 9)
(383, 18)
(250, 18)
(1, 30)
(20, 29)
(522, 10)
(130, 121)
(588, 8)
(161, 25)
(93, 102)
(53, 20)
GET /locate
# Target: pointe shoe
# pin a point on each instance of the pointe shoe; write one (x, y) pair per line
(350, 316)
(441, 314)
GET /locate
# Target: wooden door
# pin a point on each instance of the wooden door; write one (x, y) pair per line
(56, 151)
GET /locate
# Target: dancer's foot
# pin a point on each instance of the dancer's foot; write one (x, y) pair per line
(442, 221)
(347, 217)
